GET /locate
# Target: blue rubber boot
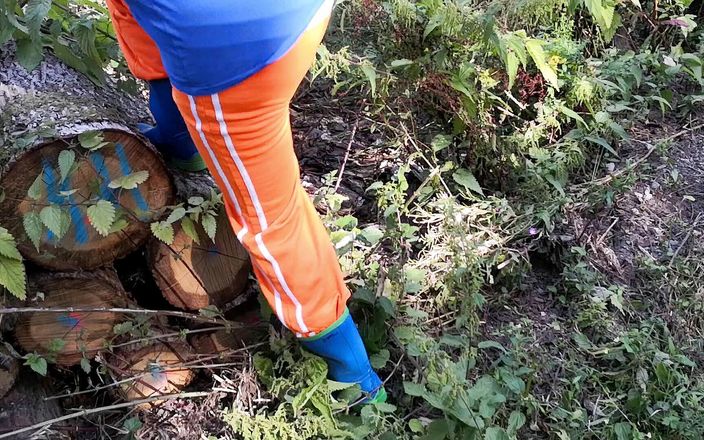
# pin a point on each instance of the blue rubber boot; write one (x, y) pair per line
(170, 135)
(342, 348)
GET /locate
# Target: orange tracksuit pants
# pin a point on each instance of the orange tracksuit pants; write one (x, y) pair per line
(244, 135)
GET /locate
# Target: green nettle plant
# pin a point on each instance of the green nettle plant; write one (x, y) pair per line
(53, 214)
(197, 210)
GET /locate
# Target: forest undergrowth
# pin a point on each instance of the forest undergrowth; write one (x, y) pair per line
(531, 265)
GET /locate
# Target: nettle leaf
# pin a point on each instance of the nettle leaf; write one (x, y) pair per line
(496, 433)
(34, 14)
(190, 229)
(195, 200)
(211, 311)
(176, 215)
(379, 360)
(37, 363)
(85, 365)
(372, 234)
(210, 225)
(85, 34)
(29, 53)
(102, 216)
(414, 389)
(437, 430)
(515, 422)
(33, 227)
(123, 328)
(130, 181)
(92, 140)
(163, 231)
(8, 247)
(440, 142)
(603, 13)
(132, 425)
(334, 386)
(535, 50)
(56, 345)
(55, 219)
(13, 276)
(65, 54)
(66, 160)
(465, 178)
(35, 190)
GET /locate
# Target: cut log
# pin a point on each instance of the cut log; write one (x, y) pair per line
(193, 275)
(34, 178)
(71, 336)
(222, 341)
(9, 369)
(25, 406)
(155, 370)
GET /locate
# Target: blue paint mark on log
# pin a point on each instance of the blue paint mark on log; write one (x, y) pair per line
(136, 193)
(69, 320)
(77, 218)
(52, 193)
(98, 162)
(157, 372)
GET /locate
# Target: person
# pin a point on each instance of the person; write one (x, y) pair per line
(221, 76)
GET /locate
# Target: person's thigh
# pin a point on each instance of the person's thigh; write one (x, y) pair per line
(245, 136)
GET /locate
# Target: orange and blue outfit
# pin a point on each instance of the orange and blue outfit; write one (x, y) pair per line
(221, 75)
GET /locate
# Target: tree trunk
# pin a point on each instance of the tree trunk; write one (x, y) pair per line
(71, 336)
(34, 179)
(193, 275)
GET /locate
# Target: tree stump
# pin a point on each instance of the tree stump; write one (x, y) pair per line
(9, 369)
(156, 370)
(193, 275)
(68, 337)
(68, 167)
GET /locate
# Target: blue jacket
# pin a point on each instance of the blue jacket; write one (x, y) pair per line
(208, 46)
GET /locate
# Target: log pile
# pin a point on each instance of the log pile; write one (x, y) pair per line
(81, 188)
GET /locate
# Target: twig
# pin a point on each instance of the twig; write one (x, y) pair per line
(197, 318)
(686, 238)
(637, 163)
(167, 335)
(347, 154)
(682, 132)
(86, 412)
(603, 236)
(184, 366)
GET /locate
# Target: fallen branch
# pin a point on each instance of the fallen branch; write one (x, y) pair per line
(86, 412)
(191, 316)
